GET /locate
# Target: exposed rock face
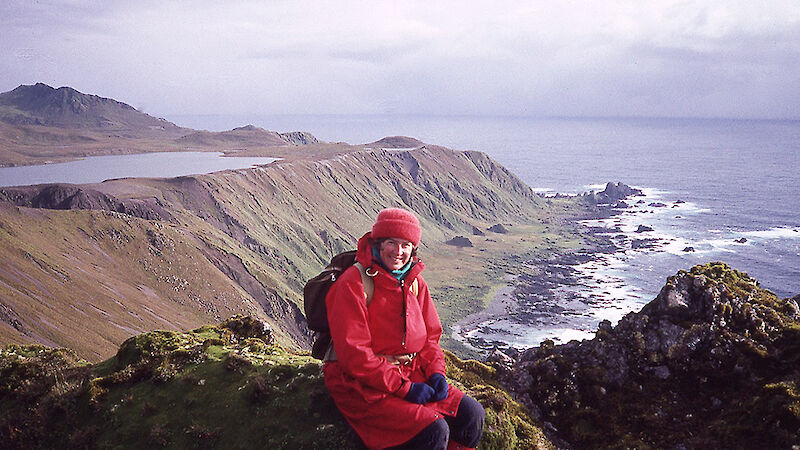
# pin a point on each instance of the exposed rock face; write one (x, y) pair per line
(299, 138)
(712, 362)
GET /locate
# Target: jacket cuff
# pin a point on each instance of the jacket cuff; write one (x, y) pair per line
(403, 390)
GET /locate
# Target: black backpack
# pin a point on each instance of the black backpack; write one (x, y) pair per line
(314, 293)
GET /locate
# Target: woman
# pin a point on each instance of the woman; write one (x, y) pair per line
(387, 376)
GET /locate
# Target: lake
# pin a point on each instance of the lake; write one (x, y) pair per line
(95, 169)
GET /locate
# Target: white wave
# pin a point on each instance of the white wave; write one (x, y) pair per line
(775, 233)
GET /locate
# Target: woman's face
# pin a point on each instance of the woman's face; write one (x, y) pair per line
(395, 252)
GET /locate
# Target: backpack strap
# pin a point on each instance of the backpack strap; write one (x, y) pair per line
(369, 290)
(367, 281)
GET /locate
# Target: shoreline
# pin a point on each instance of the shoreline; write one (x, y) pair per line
(534, 300)
(544, 301)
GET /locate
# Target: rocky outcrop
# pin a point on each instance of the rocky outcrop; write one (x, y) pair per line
(712, 362)
(498, 228)
(299, 138)
(69, 196)
(613, 193)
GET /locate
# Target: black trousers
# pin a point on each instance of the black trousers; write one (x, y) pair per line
(465, 428)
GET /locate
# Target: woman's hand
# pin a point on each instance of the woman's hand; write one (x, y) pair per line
(419, 393)
(439, 385)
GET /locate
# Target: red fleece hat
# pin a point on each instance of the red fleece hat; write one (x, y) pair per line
(397, 223)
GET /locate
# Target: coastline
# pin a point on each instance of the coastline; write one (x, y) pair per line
(534, 306)
(548, 299)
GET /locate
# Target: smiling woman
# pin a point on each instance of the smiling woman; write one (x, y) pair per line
(149, 165)
(387, 371)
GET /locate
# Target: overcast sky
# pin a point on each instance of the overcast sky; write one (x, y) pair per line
(582, 58)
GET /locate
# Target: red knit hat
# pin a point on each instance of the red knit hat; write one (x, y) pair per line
(397, 223)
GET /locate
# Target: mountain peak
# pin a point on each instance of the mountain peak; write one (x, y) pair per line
(66, 107)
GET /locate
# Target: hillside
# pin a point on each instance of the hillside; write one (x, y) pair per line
(86, 267)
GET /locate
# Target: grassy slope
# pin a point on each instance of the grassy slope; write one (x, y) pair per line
(88, 280)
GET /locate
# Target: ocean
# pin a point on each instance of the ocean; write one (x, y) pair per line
(730, 190)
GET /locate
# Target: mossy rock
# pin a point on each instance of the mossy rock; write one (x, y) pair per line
(213, 387)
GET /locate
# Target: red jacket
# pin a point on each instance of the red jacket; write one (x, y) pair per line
(366, 388)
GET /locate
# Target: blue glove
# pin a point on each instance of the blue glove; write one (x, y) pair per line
(419, 393)
(439, 384)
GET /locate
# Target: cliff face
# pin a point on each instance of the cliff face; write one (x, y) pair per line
(128, 256)
(712, 362)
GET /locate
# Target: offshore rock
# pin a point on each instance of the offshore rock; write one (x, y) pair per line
(613, 193)
(712, 362)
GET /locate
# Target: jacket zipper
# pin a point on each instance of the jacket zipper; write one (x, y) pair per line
(405, 319)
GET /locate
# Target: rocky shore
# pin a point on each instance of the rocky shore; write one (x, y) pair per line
(543, 300)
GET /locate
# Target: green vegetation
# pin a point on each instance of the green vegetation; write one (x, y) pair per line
(226, 386)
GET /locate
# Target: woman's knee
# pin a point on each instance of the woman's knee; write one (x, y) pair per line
(467, 425)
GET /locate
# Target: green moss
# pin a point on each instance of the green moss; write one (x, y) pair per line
(508, 424)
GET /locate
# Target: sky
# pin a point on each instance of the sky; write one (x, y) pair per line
(727, 58)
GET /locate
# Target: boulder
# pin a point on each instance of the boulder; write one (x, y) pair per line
(643, 228)
(460, 241)
(498, 228)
